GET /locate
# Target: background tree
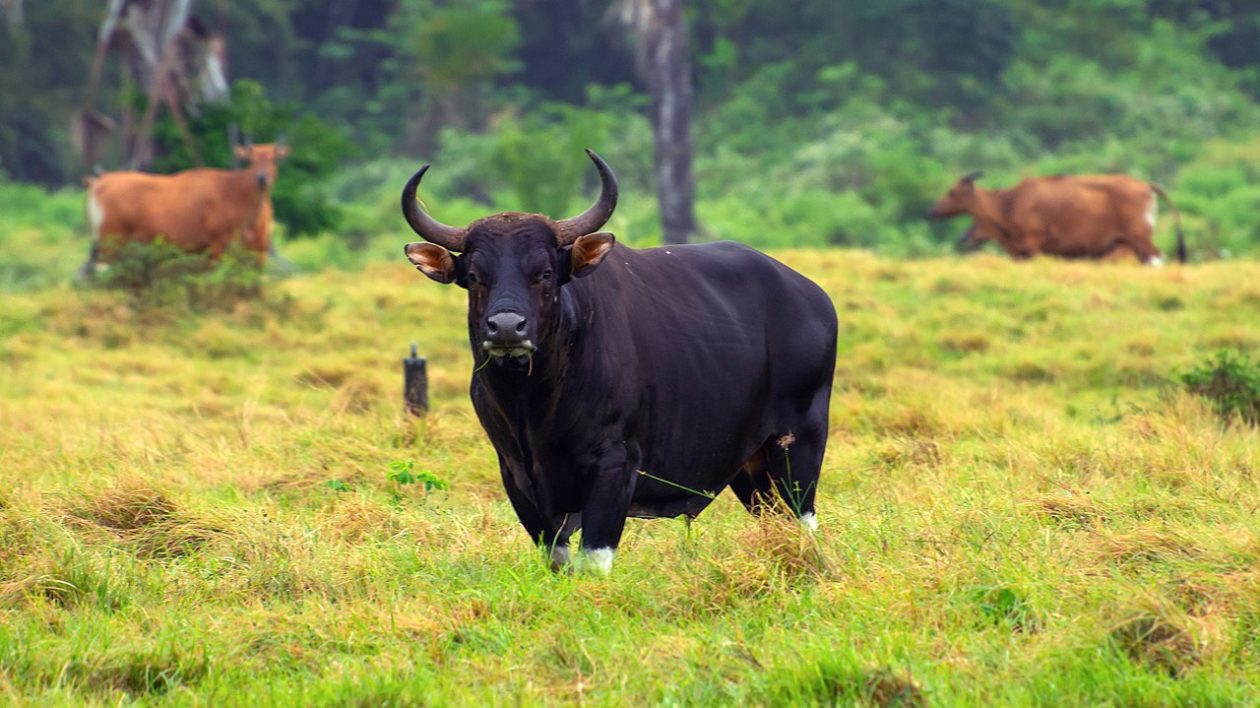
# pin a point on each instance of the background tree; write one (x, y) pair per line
(665, 64)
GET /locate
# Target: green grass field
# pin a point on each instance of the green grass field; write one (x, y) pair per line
(1019, 505)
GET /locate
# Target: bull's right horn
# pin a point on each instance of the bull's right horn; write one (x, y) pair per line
(430, 229)
(594, 218)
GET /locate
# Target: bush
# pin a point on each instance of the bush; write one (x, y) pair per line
(1231, 381)
(162, 274)
(317, 151)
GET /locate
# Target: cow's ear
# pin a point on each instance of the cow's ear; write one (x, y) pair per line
(282, 152)
(242, 152)
(432, 260)
(588, 252)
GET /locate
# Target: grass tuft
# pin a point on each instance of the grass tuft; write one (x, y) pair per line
(1159, 642)
(146, 520)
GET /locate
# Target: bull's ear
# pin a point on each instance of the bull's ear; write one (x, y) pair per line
(242, 152)
(432, 260)
(588, 252)
(282, 151)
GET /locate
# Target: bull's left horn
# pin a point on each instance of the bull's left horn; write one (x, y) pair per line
(430, 229)
(594, 218)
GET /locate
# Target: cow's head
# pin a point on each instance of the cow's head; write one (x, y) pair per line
(960, 199)
(513, 266)
(263, 160)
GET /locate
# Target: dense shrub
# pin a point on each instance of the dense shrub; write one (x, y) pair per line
(1231, 381)
(162, 274)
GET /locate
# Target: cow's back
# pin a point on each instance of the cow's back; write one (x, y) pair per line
(195, 209)
(718, 338)
(1078, 215)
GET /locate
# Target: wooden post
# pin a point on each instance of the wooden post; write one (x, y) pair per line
(415, 384)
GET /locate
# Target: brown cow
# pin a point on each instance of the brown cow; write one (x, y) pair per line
(198, 210)
(1092, 216)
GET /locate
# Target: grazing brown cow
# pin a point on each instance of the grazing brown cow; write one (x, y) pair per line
(198, 210)
(1093, 216)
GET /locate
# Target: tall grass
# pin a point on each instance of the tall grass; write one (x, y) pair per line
(1019, 505)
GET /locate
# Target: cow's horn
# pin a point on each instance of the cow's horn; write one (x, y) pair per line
(974, 176)
(591, 220)
(430, 229)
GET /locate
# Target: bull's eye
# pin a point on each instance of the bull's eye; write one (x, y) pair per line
(543, 276)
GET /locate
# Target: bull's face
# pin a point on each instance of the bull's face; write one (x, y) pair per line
(513, 266)
(513, 269)
(263, 160)
(960, 199)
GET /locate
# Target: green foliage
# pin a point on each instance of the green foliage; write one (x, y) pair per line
(1231, 381)
(41, 235)
(1004, 605)
(160, 274)
(43, 67)
(540, 156)
(316, 151)
(403, 472)
(817, 122)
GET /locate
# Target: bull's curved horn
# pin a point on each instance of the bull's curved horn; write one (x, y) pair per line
(430, 229)
(590, 221)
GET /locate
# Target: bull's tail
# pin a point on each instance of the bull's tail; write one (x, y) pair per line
(1181, 236)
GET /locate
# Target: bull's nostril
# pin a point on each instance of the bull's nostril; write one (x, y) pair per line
(505, 324)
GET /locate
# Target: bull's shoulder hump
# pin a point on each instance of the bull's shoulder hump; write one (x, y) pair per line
(715, 252)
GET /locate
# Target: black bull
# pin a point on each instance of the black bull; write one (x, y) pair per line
(642, 388)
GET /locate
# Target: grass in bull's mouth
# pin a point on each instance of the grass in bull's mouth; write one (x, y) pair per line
(1020, 504)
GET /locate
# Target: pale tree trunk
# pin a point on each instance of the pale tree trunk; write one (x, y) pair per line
(172, 57)
(665, 63)
(12, 10)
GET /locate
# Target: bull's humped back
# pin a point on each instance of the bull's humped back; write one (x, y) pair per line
(716, 335)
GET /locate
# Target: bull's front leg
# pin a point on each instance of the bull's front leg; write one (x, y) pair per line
(552, 540)
(606, 506)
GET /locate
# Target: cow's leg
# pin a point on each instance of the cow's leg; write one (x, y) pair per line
(607, 504)
(795, 459)
(1120, 252)
(88, 269)
(1144, 247)
(552, 541)
(752, 484)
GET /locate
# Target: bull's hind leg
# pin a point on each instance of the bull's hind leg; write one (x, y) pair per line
(794, 458)
(752, 484)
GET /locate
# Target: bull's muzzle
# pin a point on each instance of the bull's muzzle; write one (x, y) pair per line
(506, 334)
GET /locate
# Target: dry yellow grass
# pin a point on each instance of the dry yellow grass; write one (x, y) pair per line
(1017, 506)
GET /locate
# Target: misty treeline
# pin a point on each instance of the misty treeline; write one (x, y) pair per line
(815, 122)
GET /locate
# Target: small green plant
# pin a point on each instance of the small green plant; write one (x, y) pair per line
(337, 485)
(1005, 605)
(403, 472)
(1231, 381)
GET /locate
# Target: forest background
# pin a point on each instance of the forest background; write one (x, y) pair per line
(817, 123)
